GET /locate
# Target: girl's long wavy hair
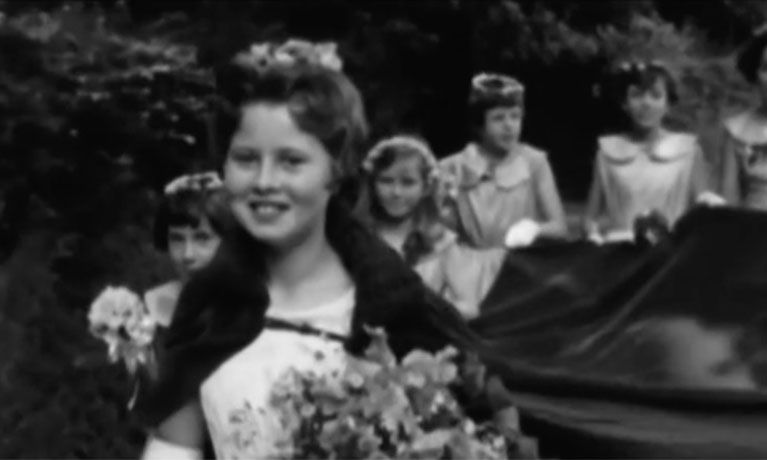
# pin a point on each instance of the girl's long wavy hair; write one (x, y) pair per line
(427, 228)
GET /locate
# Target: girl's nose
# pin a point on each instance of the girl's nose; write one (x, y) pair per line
(189, 252)
(265, 178)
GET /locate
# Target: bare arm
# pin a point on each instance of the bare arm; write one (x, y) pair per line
(730, 174)
(700, 180)
(595, 203)
(553, 224)
(180, 436)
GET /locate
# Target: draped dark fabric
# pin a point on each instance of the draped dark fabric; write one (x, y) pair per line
(631, 351)
(222, 310)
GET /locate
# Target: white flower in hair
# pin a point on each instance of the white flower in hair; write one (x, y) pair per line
(264, 55)
(328, 56)
(496, 83)
(194, 182)
(368, 165)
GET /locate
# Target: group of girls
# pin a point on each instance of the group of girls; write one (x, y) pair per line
(271, 244)
(453, 220)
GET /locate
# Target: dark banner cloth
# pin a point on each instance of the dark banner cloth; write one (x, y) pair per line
(637, 351)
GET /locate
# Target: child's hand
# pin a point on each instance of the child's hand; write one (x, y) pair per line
(522, 234)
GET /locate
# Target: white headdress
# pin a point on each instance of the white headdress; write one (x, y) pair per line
(495, 83)
(409, 142)
(194, 182)
(262, 56)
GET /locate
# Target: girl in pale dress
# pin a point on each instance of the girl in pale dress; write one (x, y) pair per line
(504, 190)
(744, 156)
(185, 230)
(297, 279)
(645, 168)
(400, 203)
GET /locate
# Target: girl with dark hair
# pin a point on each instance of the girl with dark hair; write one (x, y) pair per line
(744, 155)
(186, 229)
(505, 192)
(400, 202)
(297, 279)
(645, 168)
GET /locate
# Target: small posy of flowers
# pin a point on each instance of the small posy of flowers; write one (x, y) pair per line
(378, 408)
(120, 319)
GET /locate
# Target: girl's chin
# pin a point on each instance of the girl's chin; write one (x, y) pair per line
(397, 216)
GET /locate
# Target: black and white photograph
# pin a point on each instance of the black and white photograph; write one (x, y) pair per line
(383, 229)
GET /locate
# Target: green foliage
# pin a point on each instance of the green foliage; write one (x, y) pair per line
(98, 111)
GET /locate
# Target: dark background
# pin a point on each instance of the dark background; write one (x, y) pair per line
(101, 104)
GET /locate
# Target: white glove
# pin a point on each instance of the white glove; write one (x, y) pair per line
(523, 233)
(596, 238)
(710, 199)
(160, 449)
(617, 236)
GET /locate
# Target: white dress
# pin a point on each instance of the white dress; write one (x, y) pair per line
(235, 398)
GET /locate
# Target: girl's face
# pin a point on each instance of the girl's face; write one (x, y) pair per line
(400, 187)
(502, 128)
(278, 176)
(192, 248)
(647, 107)
(761, 75)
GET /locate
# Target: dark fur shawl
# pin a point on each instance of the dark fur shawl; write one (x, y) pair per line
(222, 309)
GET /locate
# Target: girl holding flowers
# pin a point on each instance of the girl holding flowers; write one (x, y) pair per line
(297, 281)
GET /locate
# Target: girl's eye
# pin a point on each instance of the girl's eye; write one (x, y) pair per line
(243, 156)
(293, 161)
(203, 237)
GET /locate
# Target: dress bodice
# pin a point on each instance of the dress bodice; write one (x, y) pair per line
(236, 398)
(492, 198)
(634, 180)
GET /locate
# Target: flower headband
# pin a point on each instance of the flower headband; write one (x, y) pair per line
(495, 83)
(637, 65)
(408, 142)
(194, 182)
(262, 56)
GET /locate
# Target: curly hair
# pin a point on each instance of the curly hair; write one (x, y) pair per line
(323, 102)
(427, 229)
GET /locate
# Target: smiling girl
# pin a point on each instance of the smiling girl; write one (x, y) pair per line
(400, 203)
(646, 168)
(296, 281)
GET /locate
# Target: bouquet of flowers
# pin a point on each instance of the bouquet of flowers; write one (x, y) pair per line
(121, 320)
(380, 409)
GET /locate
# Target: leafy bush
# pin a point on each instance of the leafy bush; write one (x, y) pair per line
(97, 111)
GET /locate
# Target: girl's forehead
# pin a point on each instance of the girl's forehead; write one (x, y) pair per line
(202, 224)
(656, 83)
(504, 109)
(405, 164)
